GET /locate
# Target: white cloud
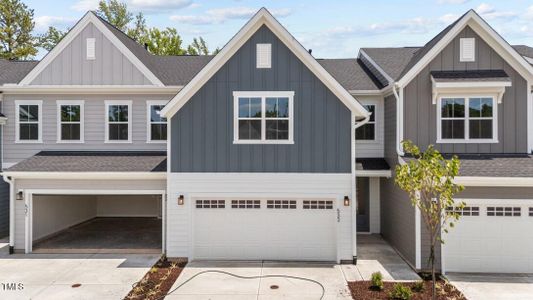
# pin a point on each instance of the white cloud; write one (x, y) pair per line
(452, 1)
(43, 22)
(449, 18)
(147, 6)
(529, 13)
(221, 15)
(488, 12)
(409, 26)
(85, 5)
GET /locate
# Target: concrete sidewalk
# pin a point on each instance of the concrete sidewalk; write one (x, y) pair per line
(494, 286)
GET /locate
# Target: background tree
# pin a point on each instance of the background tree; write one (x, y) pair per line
(139, 31)
(16, 26)
(165, 42)
(116, 13)
(428, 179)
(198, 47)
(51, 38)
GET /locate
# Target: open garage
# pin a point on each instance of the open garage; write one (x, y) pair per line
(96, 223)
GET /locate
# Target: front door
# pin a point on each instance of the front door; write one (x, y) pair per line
(363, 204)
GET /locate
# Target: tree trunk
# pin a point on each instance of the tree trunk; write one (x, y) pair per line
(433, 277)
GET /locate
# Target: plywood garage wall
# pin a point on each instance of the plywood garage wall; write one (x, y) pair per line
(52, 213)
(128, 206)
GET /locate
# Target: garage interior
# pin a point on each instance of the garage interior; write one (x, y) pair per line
(97, 224)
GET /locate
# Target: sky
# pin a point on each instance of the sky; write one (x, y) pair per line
(332, 28)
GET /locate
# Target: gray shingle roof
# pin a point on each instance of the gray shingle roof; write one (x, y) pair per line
(93, 161)
(392, 60)
(517, 165)
(349, 73)
(13, 71)
(371, 164)
(471, 75)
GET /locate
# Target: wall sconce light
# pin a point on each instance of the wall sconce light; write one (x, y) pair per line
(20, 195)
(346, 201)
(181, 200)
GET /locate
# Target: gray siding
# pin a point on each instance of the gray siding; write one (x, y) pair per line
(420, 114)
(202, 131)
(110, 67)
(4, 199)
(95, 115)
(397, 213)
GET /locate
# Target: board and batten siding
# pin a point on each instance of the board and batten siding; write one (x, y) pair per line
(202, 130)
(4, 197)
(94, 119)
(110, 66)
(397, 213)
(420, 119)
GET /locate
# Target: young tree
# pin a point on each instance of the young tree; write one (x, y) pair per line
(428, 179)
(198, 47)
(115, 12)
(140, 30)
(16, 26)
(51, 38)
(165, 42)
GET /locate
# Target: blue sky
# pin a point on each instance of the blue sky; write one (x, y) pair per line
(331, 28)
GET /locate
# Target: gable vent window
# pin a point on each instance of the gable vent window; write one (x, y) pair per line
(500, 211)
(468, 49)
(281, 204)
(264, 56)
(91, 48)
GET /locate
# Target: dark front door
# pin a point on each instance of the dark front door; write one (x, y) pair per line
(363, 203)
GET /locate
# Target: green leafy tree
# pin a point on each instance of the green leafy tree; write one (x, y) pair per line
(51, 38)
(198, 47)
(139, 31)
(116, 13)
(428, 179)
(16, 26)
(165, 42)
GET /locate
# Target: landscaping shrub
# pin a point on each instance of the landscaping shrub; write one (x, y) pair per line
(400, 292)
(377, 281)
(418, 286)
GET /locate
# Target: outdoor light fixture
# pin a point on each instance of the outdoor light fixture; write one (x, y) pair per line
(20, 195)
(181, 200)
(346, 201)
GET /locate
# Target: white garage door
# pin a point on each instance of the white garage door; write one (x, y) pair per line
(494, 236)
(264, 230)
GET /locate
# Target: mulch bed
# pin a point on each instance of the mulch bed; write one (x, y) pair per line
(363, 290)
(157, 282)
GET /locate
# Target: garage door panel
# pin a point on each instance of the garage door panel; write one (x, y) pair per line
(491, 243)
(264, 233)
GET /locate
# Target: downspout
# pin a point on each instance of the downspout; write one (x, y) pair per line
(353, 185)
(11, 183)
(399, 120)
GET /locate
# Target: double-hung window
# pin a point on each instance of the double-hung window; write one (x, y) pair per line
(28, 119)
(263, 117)
(70, 121)
(157, 124)
(467, 119)
(367, 132)
(118, 121)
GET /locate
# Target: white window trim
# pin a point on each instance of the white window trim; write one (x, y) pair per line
(106, 116)
(81, 103)
(467, 139)
(263, 95)
(377, 107)
(461, 50)
(39, 103)
(149, 104)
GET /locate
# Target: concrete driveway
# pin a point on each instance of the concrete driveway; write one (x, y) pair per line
(221, 286)
(47, 276)
(494, 286)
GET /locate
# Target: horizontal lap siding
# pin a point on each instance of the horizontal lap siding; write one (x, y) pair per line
(95, 115)
(202, 131)
(71, 66)
(421, 115)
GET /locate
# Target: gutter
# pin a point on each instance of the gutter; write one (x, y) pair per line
(11, 183)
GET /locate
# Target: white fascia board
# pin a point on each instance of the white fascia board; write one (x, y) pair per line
(90, 89)
(528, 59)
(472, 84)
(86, 175)
(369, 58)
(89, 17)
(472, 19)
(262, 17)
(494, 181)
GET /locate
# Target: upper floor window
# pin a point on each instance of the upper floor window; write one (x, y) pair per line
(70, 121)
(28, 119)
(263, 117)
(467, 120)
(118, 121)
(367, 132)
(157, 124)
